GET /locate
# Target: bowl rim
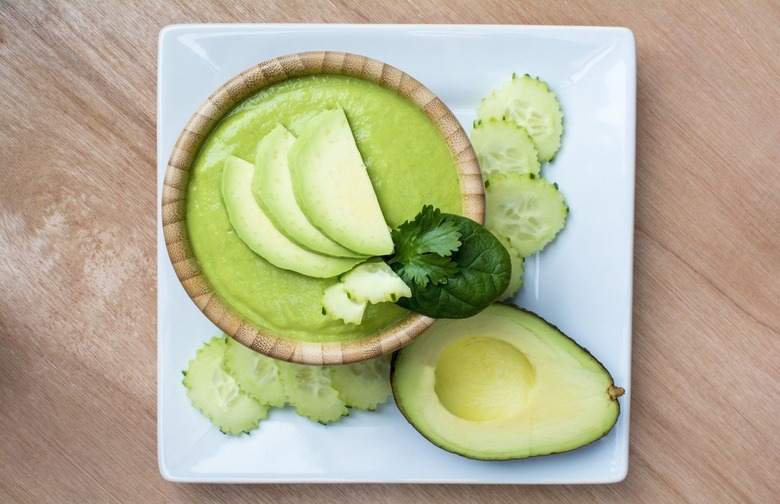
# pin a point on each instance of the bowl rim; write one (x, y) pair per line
(199, 127)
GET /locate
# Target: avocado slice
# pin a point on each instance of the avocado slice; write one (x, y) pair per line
(332, 185)
(504, 384)
(257, 231)
(273, 190)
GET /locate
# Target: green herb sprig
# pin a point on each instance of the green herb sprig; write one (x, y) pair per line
(424, 247)
(454, 267)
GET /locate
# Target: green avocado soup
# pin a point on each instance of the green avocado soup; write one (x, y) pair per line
(408, 163)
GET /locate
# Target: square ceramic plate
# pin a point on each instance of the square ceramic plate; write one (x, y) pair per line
(582, 282)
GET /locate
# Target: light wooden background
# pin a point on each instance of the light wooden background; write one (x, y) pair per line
(77, 249)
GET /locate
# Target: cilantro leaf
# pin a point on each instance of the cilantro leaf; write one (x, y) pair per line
(433, 233)
(426, 268)
(424, 247)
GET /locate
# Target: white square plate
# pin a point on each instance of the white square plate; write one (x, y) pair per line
(582, 282)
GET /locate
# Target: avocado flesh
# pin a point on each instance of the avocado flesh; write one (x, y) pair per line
(273, 190)
(503, 384)
(257, 231)
(332, 186)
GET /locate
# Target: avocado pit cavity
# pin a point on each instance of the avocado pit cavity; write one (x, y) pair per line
(475, 376)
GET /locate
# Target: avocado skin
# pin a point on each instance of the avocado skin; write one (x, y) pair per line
(401, 408)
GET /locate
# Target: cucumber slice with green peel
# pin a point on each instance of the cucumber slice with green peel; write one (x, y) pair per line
(518, 268)
(309, 391)
(214, 392)
(375, 282)
(337, 305)
(530, 103)
(526, 210)
(255, 373)
(504, 148)
(363, 385)
(370, 282)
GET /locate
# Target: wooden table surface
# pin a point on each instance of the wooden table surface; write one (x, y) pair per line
(78, 230)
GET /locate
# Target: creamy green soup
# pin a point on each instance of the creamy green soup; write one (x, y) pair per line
(409, 166)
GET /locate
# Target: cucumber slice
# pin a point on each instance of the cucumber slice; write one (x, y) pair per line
(369, 282)
(375, 282)
(528, 102)
(526, 210)
(256, 374)
(338, 305)
(518, 268)
(504, 148)
(309, 391)
(216, 393)
(363, 385)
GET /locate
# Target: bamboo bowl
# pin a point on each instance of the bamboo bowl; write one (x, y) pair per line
(185, 152)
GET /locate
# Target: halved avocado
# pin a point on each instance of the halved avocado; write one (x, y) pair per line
(504, 384)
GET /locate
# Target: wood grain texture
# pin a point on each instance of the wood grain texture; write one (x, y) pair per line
(185, 153)
(78, 221)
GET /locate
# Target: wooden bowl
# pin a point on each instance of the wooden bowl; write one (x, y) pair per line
(217, 106)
